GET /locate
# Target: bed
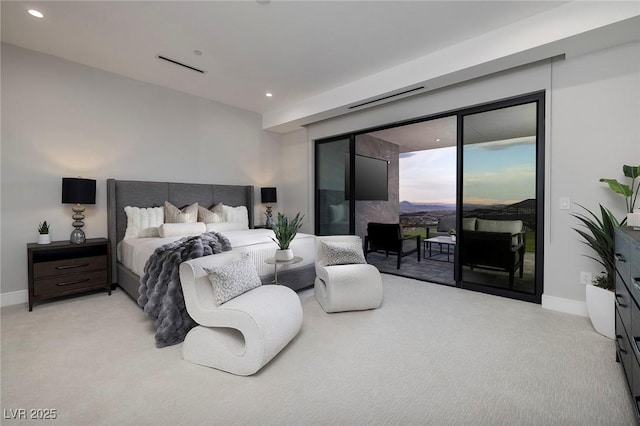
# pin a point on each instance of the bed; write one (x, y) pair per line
(131, 254)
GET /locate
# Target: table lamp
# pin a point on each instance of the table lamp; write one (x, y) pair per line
(78, 191)
(268, 196)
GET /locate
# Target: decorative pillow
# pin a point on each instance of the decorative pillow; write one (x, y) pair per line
(210, 216)
(233, 279)
(342, 253)
(181, 229)
(469, 223)
(172, 214)
(225, 226)
(143, 222)
(236, 214)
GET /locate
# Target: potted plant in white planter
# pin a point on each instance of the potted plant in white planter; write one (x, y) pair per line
(43, 233)
(601, 301)
(285, 230)
(599, 235)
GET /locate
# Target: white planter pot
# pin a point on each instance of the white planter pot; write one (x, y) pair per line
(44, 239)
(601, 308)
(284, 255)
(633, 219)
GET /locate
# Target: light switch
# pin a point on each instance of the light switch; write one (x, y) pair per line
(565, 203)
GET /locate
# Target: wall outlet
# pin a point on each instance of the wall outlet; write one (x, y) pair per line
(586, 278)
(565, 203)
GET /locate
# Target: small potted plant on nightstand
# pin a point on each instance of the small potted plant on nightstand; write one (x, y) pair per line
(452, 235)
(43, 233)
(285, 231)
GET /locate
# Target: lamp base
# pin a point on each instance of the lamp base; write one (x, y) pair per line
(269, 223)
(77, 236)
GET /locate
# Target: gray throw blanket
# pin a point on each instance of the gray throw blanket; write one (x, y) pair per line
(161, 294)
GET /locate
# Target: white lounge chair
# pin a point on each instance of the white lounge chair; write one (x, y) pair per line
(243, 334)
(352, 287)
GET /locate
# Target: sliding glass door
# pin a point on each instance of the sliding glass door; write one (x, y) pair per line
(500, 198)
(499, 206)
(333, 186)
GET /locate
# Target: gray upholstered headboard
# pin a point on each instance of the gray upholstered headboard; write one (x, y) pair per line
(122, 193)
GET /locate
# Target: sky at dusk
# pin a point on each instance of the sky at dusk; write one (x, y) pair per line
(494, 173)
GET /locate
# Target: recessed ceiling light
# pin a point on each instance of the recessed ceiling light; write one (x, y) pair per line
(268, 94)
(35, 13)
(437, 140)
(197, 52)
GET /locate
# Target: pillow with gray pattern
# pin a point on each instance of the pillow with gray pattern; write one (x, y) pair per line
(342, 253)
(233, 279)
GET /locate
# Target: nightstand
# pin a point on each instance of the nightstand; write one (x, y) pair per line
(62, 268)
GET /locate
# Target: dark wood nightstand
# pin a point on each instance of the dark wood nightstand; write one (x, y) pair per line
(62, 268)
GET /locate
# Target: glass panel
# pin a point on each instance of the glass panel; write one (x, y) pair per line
(497, 245)
(332, 206)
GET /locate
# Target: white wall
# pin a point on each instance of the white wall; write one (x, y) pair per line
(595, 129)
(592, 128)
(60, 118)
(297, 177)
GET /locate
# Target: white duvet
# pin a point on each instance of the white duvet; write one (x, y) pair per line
(134, 252)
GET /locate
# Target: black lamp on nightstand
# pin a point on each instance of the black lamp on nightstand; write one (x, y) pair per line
(78, 191)
(268, 196)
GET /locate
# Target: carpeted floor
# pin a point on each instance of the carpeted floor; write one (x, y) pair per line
(431, 354)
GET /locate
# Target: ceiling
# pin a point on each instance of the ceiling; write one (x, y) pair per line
(293, 49)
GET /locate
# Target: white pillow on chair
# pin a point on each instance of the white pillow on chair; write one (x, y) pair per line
(342, 253)
(233, 279)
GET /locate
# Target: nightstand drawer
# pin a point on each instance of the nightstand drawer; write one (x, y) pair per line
(70, 283)
(69, 266)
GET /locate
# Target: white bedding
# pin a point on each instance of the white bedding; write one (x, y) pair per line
(134, 252)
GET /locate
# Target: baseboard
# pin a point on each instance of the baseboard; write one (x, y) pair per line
(14, 298)
(568, 306)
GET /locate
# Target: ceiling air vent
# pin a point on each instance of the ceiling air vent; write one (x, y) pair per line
(164, 58)
(387, 97)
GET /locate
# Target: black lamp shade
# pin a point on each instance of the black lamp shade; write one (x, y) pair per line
(78, 191)
(268, 195)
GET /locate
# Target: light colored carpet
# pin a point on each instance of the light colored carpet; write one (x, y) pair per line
(431, 355)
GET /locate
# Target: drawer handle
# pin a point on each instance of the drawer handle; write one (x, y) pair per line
(623, 351)
(73, 282)
(60, 268)
(620, 258)
(622, 305)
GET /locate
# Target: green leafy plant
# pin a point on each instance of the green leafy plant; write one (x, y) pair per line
(630, 192)
(601, 281)
(599, 236)
(286, 229)
(43, 228)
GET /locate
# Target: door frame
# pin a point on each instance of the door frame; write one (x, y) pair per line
(539, 99)
(537, 96)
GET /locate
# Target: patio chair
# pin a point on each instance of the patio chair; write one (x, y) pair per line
(389, 238)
